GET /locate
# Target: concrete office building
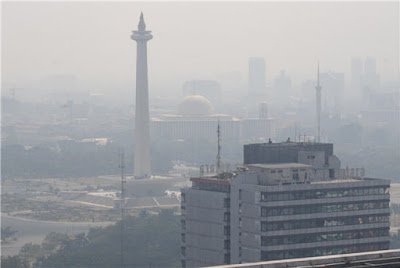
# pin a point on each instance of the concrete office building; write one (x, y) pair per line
(283, 209)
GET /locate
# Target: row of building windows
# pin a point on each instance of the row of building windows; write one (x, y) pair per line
(195, 129)
(318, 223)
(320, 208)
(321, 237)
(323, 193)
(214, 187)
(322, 251)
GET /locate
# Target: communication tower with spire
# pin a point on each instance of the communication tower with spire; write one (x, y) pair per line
(318, 89)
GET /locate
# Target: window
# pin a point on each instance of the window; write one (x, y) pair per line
(263, 211)
(227, 230)
(227, 217)
(263, 196)
(263, 226)
(227, 244)
(227, 258)
(264, 241)
(183, 238)
(227, 202)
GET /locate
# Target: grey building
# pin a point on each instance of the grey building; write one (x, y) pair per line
(279, 210)
(257, 76)
(319, 155)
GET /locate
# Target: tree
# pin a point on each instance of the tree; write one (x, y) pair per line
(7, 233)
(149, 241)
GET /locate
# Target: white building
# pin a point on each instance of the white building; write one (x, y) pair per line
(196, 120)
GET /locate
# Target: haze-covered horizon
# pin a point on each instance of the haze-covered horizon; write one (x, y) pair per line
(91, 41)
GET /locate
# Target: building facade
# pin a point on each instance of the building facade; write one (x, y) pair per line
(196, 120)
(269, 211)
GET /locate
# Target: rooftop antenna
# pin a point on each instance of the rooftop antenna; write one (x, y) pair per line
(318, 106)
(218, 148)
(122, 202)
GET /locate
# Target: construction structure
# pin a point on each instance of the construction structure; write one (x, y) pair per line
(290, 200)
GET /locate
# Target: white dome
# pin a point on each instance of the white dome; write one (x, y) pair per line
(195, 105)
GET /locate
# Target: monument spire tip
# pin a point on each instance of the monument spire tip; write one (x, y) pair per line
(142, 25)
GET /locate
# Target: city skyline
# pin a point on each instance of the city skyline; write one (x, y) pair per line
(290, 36)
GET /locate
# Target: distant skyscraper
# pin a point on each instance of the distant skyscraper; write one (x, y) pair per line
(370, 66)
(333, 84)
(370, 81)
(356, 72)
(257, 80)
(364, 78)
(282, 87)
(142, 167)
(263, 110)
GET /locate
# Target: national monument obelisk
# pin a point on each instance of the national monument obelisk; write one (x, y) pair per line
(142, 168)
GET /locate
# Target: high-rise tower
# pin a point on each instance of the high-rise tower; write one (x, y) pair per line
(318, 107)
(142, 167)
(257, 80)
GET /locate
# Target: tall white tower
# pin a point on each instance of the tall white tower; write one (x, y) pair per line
(142, 118)
(318, 106)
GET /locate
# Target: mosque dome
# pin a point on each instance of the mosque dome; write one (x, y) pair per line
(195, 105)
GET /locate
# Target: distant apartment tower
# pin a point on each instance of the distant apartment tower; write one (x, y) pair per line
(357, 71)
(364, 77)
(278, 210)
(257, 76)
(333, 87)
(370, 81)
(282, 86)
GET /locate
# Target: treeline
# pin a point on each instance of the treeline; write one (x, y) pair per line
(78, 159)
(148, 241)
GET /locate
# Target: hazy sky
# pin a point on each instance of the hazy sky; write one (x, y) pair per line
(193, 40)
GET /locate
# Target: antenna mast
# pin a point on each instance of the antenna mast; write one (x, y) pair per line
(122, 202)
(218, 148)
(318, 106)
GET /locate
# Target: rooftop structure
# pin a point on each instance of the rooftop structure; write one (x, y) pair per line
(377, 259)
(318, 155)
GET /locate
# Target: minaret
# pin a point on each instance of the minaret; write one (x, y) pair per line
(318, 106)
(142, 118)
(218, 148)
